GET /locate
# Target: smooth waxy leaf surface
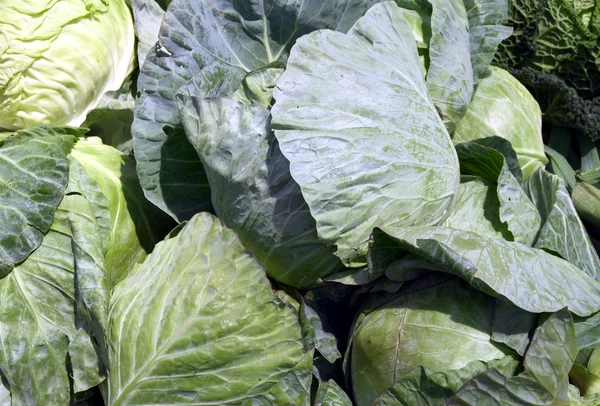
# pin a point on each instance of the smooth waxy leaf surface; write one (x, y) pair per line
(530, 278)
(253, 191)
(588, 331)
(330, 394)
(520, 121)
(493, 159)
(147, 16)
(562, 231)
(441, 327)
(477, 209)
(486, 32)
(33, 177)
(552, 352)
(195, 35)
(546, 366)
(358, 162)
(135, 225)
(450, 74)
(198, 323)
(4, 396)
(37, 324)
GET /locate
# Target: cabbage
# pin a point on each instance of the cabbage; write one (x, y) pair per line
(59, 57)
(502, 106)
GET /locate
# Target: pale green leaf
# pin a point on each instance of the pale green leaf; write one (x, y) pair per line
(450, 74)
(358, 162)
(545, 378)
(503, 107)
(588, 331)
(493, 159)
(552, 352)
(59, 57)
(441, 327)
(135, 224)
(416, 388)
(5, 399)
(477, 209)
(330, 394)
(87, 371)
(37, 321)
(486, 32)
(198, 322)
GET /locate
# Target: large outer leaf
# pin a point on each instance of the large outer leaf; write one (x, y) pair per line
(562, 231)
(450, 74)
(135, 224)
(33, 177)
(38, 319)
(544, 381)
(198, 322)
(147, 16)
(364, 140)
(528, 277)
(486, 32)
(253, 191)
(494, 159)
(477, 209)
(441, 327)
(195, 34)
(502, 106)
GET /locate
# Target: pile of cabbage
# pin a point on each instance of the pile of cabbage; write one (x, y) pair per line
(283, 203)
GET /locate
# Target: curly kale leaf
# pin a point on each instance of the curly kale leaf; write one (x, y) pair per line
(560, 103)
(555, 51)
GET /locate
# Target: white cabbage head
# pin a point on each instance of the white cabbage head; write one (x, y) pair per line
(59, 57)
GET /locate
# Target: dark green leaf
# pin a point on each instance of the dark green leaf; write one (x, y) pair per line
(513, 326)
(253, 191)
(33, 178)
(194, 35)
(530, 278)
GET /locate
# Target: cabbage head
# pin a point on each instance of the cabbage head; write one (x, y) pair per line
(502, 106)
(438, 323)
(59, 57)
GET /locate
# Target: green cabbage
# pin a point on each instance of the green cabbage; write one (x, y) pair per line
(59, 57)
(503, 107)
